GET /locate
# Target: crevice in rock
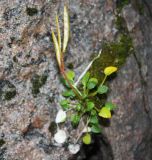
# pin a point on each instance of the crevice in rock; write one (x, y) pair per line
(99, 149)
(143, 84)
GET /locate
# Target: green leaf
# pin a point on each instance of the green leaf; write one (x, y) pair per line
(110, 106)
(102, 89)
(75, 118)
(65, 82)
(93, 112)
(96, 128)
(64, 103)
(70, 74)
(92, 83)
(105, 113)
(68, 93)
(78, 107)
(90, 105)
(86, 138)
(94, 120)
(85, 79)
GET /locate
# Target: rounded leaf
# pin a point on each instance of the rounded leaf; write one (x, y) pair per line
(64, 103)
(70, 74)
(61, 116)
(85, 79)
(86, 138)
(102, 89)
(109, 70)
(90, 105)
(74, 148)
(92, 83)
(96, 128)
(105, 113)
(110, 106)
(60, 137)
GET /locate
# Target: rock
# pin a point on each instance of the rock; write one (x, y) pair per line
(30, 85)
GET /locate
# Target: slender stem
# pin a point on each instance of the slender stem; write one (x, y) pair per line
(75, 90)
(79, 136)
(96, 109)
(87, 68)
(104, 80)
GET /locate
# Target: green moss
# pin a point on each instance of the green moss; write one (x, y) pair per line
(37, 82)
(120, 24)
(113, 54)
(2, 142)
(31, 11)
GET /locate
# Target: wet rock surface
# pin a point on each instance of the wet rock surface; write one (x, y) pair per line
(30, 83)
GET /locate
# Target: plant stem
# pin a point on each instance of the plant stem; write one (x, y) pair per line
(74, 89)
(79, 136)
(105, 77)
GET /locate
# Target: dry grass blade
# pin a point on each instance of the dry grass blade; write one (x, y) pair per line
(58, 31)
(57, 48)
(66, 29)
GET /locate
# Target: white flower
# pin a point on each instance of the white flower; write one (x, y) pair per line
(60, 136)
(61, 116)
(74, 148)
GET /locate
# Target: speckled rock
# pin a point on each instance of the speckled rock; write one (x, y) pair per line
(30, 77)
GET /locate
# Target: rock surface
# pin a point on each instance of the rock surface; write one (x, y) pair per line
(30, 86)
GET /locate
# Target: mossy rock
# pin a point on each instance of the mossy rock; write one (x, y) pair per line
(2, 142)
(37, 82)
(7, 90)
(31, 11)
(113, 54)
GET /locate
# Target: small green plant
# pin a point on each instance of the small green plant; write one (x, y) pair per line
(78, 96)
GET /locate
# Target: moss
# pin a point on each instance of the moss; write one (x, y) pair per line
(37, 82)
(120, 24)
(2, 142)
(113, 54)
(31, 11)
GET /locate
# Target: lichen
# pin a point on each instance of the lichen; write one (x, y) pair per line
(7, 90)
(9, 94)
(37, 82)
(2, 142)
(31, 11)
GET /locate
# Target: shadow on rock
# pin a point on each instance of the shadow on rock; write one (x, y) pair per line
(99, 149)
